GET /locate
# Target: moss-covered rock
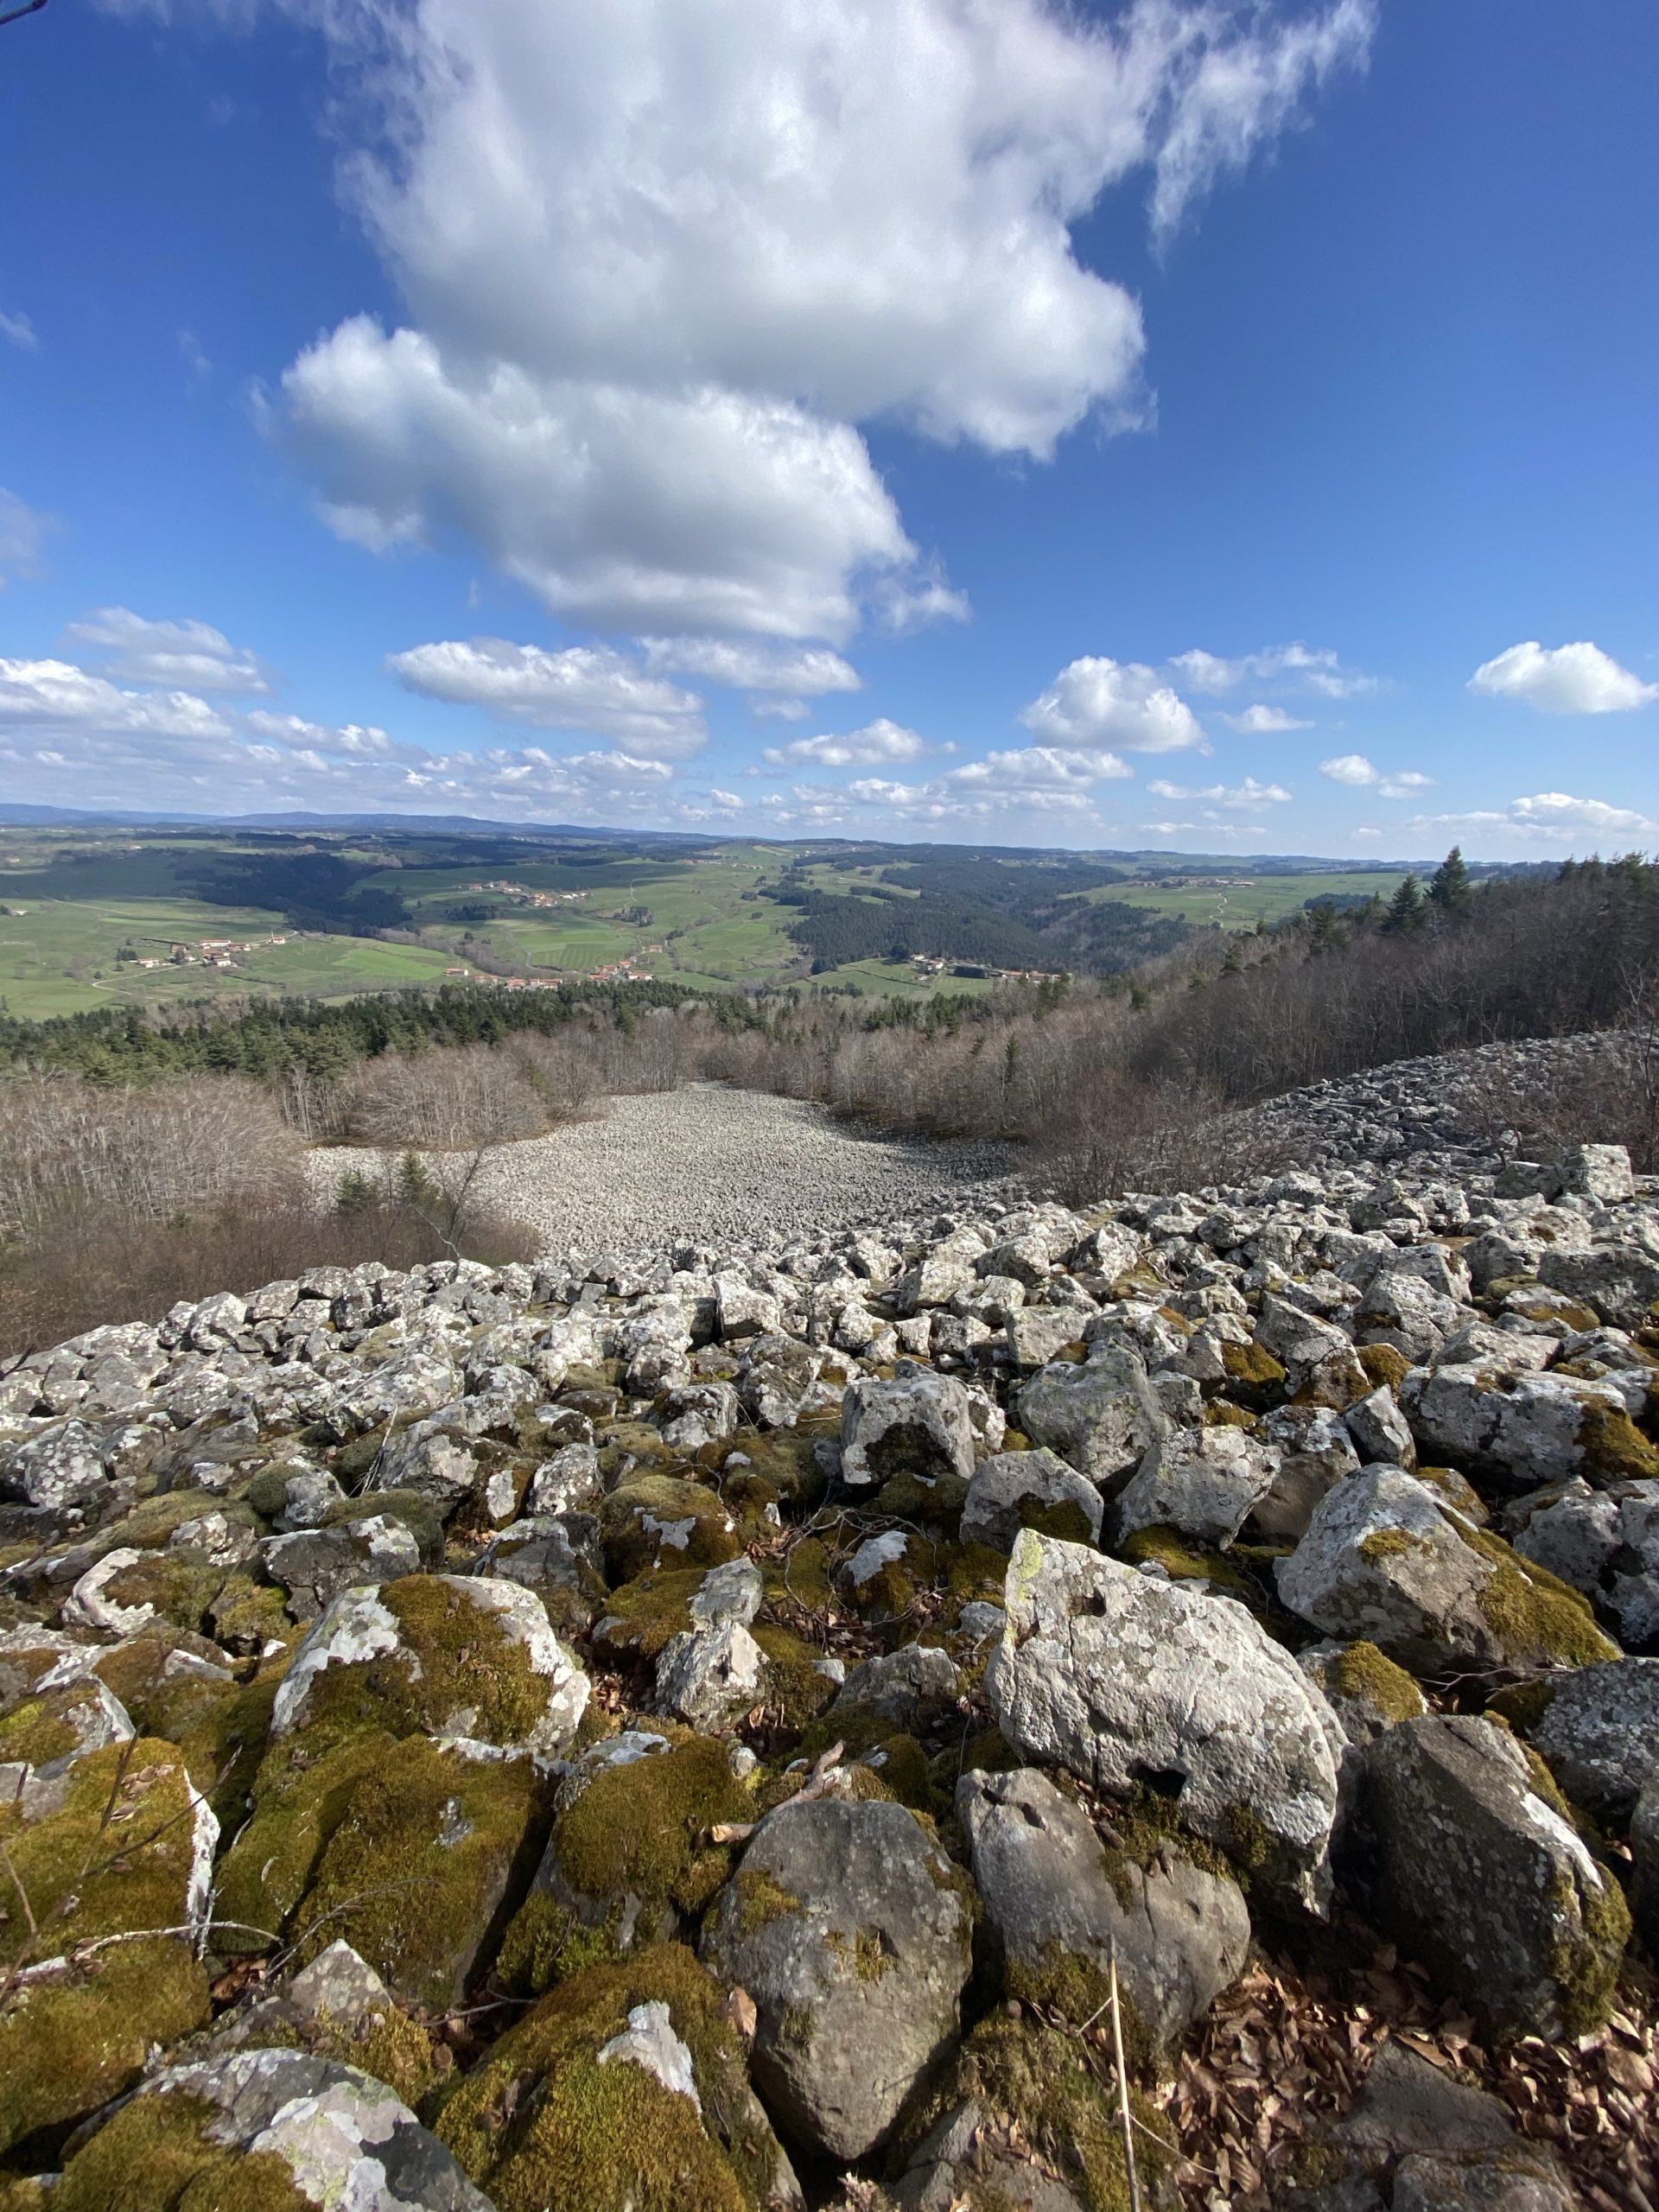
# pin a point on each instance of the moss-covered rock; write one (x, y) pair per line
(659, 1521)
(545, 2119)
(630, 1858)
(119, 1845)
(1255, 1377)
(440, 1655)
(640, 1616)
(1036, 2084)
(1384, 1365)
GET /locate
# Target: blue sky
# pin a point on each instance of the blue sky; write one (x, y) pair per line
(1195, 425)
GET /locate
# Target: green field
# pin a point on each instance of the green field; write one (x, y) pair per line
(1240, 902)
(77, 900)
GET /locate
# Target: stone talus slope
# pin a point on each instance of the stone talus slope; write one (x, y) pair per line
(665, 1728)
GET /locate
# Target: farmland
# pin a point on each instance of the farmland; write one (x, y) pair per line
(132, 916)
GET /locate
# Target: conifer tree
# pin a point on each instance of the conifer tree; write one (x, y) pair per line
(1449, 886)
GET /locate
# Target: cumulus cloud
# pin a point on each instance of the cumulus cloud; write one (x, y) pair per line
(1032, 768)
(1553, 818)
(184, 653)
(877, 742)
(1576, 679)
(17, 330)
(803, 672)
(1361, 774)
(1297, 667)
(1097, 702)
(1264, 721)
(659, 263)
(54, 694)
(22, 534)
(583, 687)
(1248, 798)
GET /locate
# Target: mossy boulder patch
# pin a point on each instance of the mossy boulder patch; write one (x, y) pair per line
(118, 1846)
(662, 1521)
(450, 1654)
(549, 2119)
(265, 2130)
(631, 1857)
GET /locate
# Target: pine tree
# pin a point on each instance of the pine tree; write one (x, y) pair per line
(1409, 908)
(1449, 886)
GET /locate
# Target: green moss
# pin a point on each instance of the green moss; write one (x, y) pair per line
(1384, 1365)
(787, 1459)
(641, 1616)
(36, 1731)
(1078, 1990)
(1222, 1412)
(1364, 1673)
(801, 1579)
(1542, 1622)
(1065, 1522)
(413, 1875)
(971, 1571)
(158, 2154)
(1257, 1379)
(1250, 1844)
(903, 1768)
(1184, 1560)
(355, 1460)
(635, 1517)
(545, 1942)
(418, 1515)
(1585, 1961)
(1523, 1704)
(389, 2044)
(1452, 1487)
(453, 1657)
(906, 1496)
(300, 1795)
(1380, 1544)
(176, 1585)
(1614, 1448)
(1041, 2079)
(115, 1856)
(643, 1830)
(760, 1900)
(989, 1753)
(220, 1726)
(539, 2122)
(245, 1615)
(795, 1689)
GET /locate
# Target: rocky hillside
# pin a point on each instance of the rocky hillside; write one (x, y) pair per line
(938, 1715)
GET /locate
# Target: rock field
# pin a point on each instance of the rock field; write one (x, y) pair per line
(878, 1710)
(714, 1165)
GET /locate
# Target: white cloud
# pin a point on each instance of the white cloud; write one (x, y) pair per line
(54, 694)
(695, 509)
(877, 742)
(1297, 667)
(198, 368)
(1264, 721)
(1548, 818)
(1095, 702)
(584, 687)
(1030, 768)
(185, 653)
(350, 741)
(1577, 679)
(803, 672)
(779, 710)
(22, 533)
(1355, 770)
(1248, 798)
(658, 262)
(17, 330)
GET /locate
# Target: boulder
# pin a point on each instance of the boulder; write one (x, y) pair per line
(1060, 1907)
(451, 1655)
(913, 1689)
(558, 1558)
(1387, 1561)
(1205, 1482)
(1522, 1429)
(919, 1424)
(709, 1677)
(1030, 1490)
(848, 1928)
(1644, 1863)
(660, 1521)
(1122, 1679)
(1599, 1733)
(1478, 1875)
(1103, 1416)
(315, 1564)
(625, 2086)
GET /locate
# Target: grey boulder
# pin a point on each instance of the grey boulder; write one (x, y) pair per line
(919, 1423)
(1102, 1416)
(1121, 1678)
(1029, 1489)
(848, 1927)
(1205, 1482)
(1054, 1899)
